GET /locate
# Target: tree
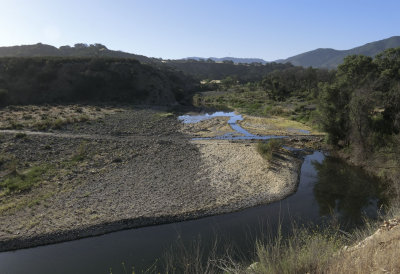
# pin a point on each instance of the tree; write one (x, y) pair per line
(355, 71)
(334, 113)
(360, 113)
(229, 81)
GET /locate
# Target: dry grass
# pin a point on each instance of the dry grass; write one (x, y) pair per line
(304, 251)
(380, 255)
(275, 126)
(46, 117)
(377, 252)
(216, 126)
(325, 251)
(190, 258)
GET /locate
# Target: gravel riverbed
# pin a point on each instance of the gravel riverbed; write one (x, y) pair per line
(131, 168)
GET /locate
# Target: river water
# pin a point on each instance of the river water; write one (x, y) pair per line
(239, 134)
(328, 189)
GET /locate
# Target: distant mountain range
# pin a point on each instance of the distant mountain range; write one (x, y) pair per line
(233, 59)
(319, 58)
(331, 58)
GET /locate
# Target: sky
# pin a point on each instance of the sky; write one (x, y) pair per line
(173, 29)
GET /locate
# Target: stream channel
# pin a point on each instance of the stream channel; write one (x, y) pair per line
(328, 189)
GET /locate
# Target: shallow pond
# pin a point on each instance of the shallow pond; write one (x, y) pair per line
(327, 186)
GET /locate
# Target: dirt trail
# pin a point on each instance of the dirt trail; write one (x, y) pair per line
(84, 136)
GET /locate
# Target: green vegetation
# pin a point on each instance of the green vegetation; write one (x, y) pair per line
(80, 154)
(78, 50)
(208, 69)
(360, 111)
(161, 115)
(58, 123)
(361, 107)
(20, 135)
(267, 150)
(250, 102)
(301, 82)
(66, 80)
(357, 105)
(290, 92)
(23, 181)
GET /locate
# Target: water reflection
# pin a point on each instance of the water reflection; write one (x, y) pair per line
(326, 185)
(346, 191)
(189, 119)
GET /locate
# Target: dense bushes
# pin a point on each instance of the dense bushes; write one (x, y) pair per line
(295, 81)
(243, 73)
(362, 105)
(60, 80)
(266, 150)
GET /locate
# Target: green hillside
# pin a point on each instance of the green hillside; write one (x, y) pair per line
(331, 58)
(78, 50)
(37, 80)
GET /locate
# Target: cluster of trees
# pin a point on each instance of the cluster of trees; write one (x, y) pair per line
(61, 80)
(361, 106)
(78, 50)
(208, 69)
(358, 103)
(295, 81)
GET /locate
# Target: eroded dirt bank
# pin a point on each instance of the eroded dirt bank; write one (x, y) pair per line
(133, 167)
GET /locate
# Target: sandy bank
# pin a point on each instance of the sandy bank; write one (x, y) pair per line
(240, 177)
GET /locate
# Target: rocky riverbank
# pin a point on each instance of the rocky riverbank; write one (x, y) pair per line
(127, 168)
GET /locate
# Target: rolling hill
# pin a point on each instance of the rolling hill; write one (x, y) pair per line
(319, 58)
(78, 50)
(235, 60)
(331, 58)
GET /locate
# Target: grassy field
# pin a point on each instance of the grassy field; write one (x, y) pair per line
(276, 125)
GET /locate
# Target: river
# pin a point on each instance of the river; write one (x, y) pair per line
(328, 189)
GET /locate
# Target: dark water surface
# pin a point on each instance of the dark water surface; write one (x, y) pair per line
(327, 186)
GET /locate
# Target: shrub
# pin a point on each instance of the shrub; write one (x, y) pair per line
(83, 118)
(58, 123)
(20, 135)
(18, 182)
(303, 252)
(266, 150)
(43, 125)
(27, 117)
(15, 125)
(80, 154)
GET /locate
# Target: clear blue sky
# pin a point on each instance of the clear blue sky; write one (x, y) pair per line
(268, 29)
